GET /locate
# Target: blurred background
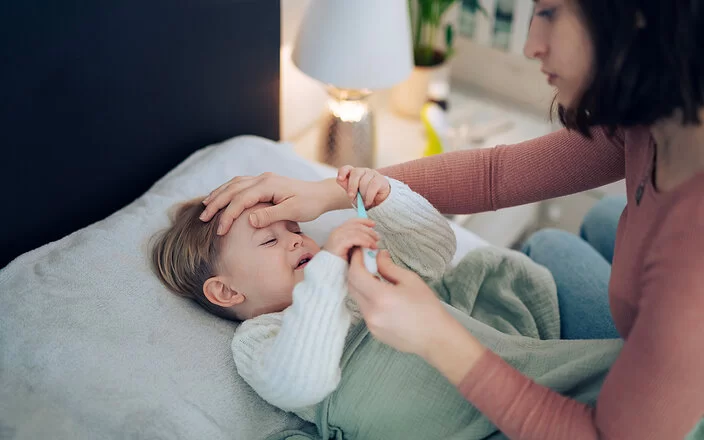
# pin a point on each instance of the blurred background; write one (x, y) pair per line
(467, 58)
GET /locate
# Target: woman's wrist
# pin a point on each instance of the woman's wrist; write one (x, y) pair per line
(453, 351)
(334, 195)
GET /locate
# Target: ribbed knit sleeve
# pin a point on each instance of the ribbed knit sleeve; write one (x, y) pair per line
(292, 358)
(477, 180)
(414, 232)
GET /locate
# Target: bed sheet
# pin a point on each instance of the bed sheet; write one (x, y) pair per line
(94, 347)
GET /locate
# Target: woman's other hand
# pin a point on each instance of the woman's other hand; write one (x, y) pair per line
(401, 313)
(407, 315)
(293, 199)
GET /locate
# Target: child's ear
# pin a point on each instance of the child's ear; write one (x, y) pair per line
(218, 292)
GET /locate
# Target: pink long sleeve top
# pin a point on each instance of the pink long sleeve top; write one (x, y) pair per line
(655, 389)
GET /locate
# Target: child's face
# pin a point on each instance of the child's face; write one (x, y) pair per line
(265, 264)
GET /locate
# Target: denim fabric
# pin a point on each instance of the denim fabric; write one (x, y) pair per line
(581, 267)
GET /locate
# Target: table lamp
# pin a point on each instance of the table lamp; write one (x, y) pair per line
(353, 47)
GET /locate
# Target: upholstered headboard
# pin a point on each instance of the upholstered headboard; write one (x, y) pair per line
(98, 99)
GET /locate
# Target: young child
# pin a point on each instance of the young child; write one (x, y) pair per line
(290, 294)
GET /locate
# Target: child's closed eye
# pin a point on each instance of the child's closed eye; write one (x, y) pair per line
(269, 242)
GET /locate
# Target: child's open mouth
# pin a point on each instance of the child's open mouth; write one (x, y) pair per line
(303, 261)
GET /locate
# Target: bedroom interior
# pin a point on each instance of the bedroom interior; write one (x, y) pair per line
(113, 112)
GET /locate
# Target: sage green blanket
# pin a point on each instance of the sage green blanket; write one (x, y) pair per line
(510, 304)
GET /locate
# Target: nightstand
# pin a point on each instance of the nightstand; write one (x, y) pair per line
(472, 114)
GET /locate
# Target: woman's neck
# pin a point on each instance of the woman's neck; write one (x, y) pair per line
(680, 151)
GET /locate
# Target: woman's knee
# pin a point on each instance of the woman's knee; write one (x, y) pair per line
(546, 244)
(606, 212)
(600, 224)
(582, 279)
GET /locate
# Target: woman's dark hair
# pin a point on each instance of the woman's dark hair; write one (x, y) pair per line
(648, 62)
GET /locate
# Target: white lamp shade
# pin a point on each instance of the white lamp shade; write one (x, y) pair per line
(355, 44)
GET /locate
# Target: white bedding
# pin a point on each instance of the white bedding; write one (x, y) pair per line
(93, 347)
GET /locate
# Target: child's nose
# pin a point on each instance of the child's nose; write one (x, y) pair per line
(296, 241)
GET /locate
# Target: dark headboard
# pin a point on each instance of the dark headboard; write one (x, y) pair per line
(99, 99)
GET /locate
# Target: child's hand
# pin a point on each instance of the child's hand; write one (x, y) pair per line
(374, 187)
(356, 232)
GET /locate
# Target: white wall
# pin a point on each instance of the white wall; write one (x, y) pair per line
(302, 98)
(291, 14)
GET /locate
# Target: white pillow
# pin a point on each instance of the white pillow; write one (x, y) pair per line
(94, 347)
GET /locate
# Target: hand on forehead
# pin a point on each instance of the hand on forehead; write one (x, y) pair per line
(244, 217)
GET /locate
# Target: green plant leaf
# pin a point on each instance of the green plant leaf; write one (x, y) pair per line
(425, 11)
(427, 18)
(423, 56)
(449, 36)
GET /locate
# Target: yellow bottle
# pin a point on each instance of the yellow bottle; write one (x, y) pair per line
(435, 123)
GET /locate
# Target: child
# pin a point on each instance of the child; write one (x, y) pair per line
(290, 294)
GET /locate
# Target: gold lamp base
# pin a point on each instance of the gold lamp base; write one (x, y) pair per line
(348, 135)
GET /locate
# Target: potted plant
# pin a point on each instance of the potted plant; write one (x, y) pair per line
(433, 46)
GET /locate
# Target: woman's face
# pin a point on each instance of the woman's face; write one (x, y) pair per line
(560, 40)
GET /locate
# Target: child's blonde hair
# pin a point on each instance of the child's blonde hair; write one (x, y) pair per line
(186, 254)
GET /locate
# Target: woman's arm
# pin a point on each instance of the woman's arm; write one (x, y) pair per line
(461, 182)
(479, 180)
(292, 359)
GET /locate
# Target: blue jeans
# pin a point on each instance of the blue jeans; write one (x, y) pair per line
(581, 267)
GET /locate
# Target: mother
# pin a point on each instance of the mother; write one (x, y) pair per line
(630, 81)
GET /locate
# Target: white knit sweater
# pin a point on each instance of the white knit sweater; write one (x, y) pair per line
(292, 358)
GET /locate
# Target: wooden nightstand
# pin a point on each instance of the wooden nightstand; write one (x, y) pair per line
(401, 139)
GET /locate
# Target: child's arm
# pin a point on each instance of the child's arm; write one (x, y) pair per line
(416, 235)
(414, 232)
(292, 358)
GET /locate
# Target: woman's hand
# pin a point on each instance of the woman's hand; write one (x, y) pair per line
(293, 199)
(373, 186)
(355, 232)
(402, 314)
(407, 315)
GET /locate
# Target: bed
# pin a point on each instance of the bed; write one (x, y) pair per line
(113, 113)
